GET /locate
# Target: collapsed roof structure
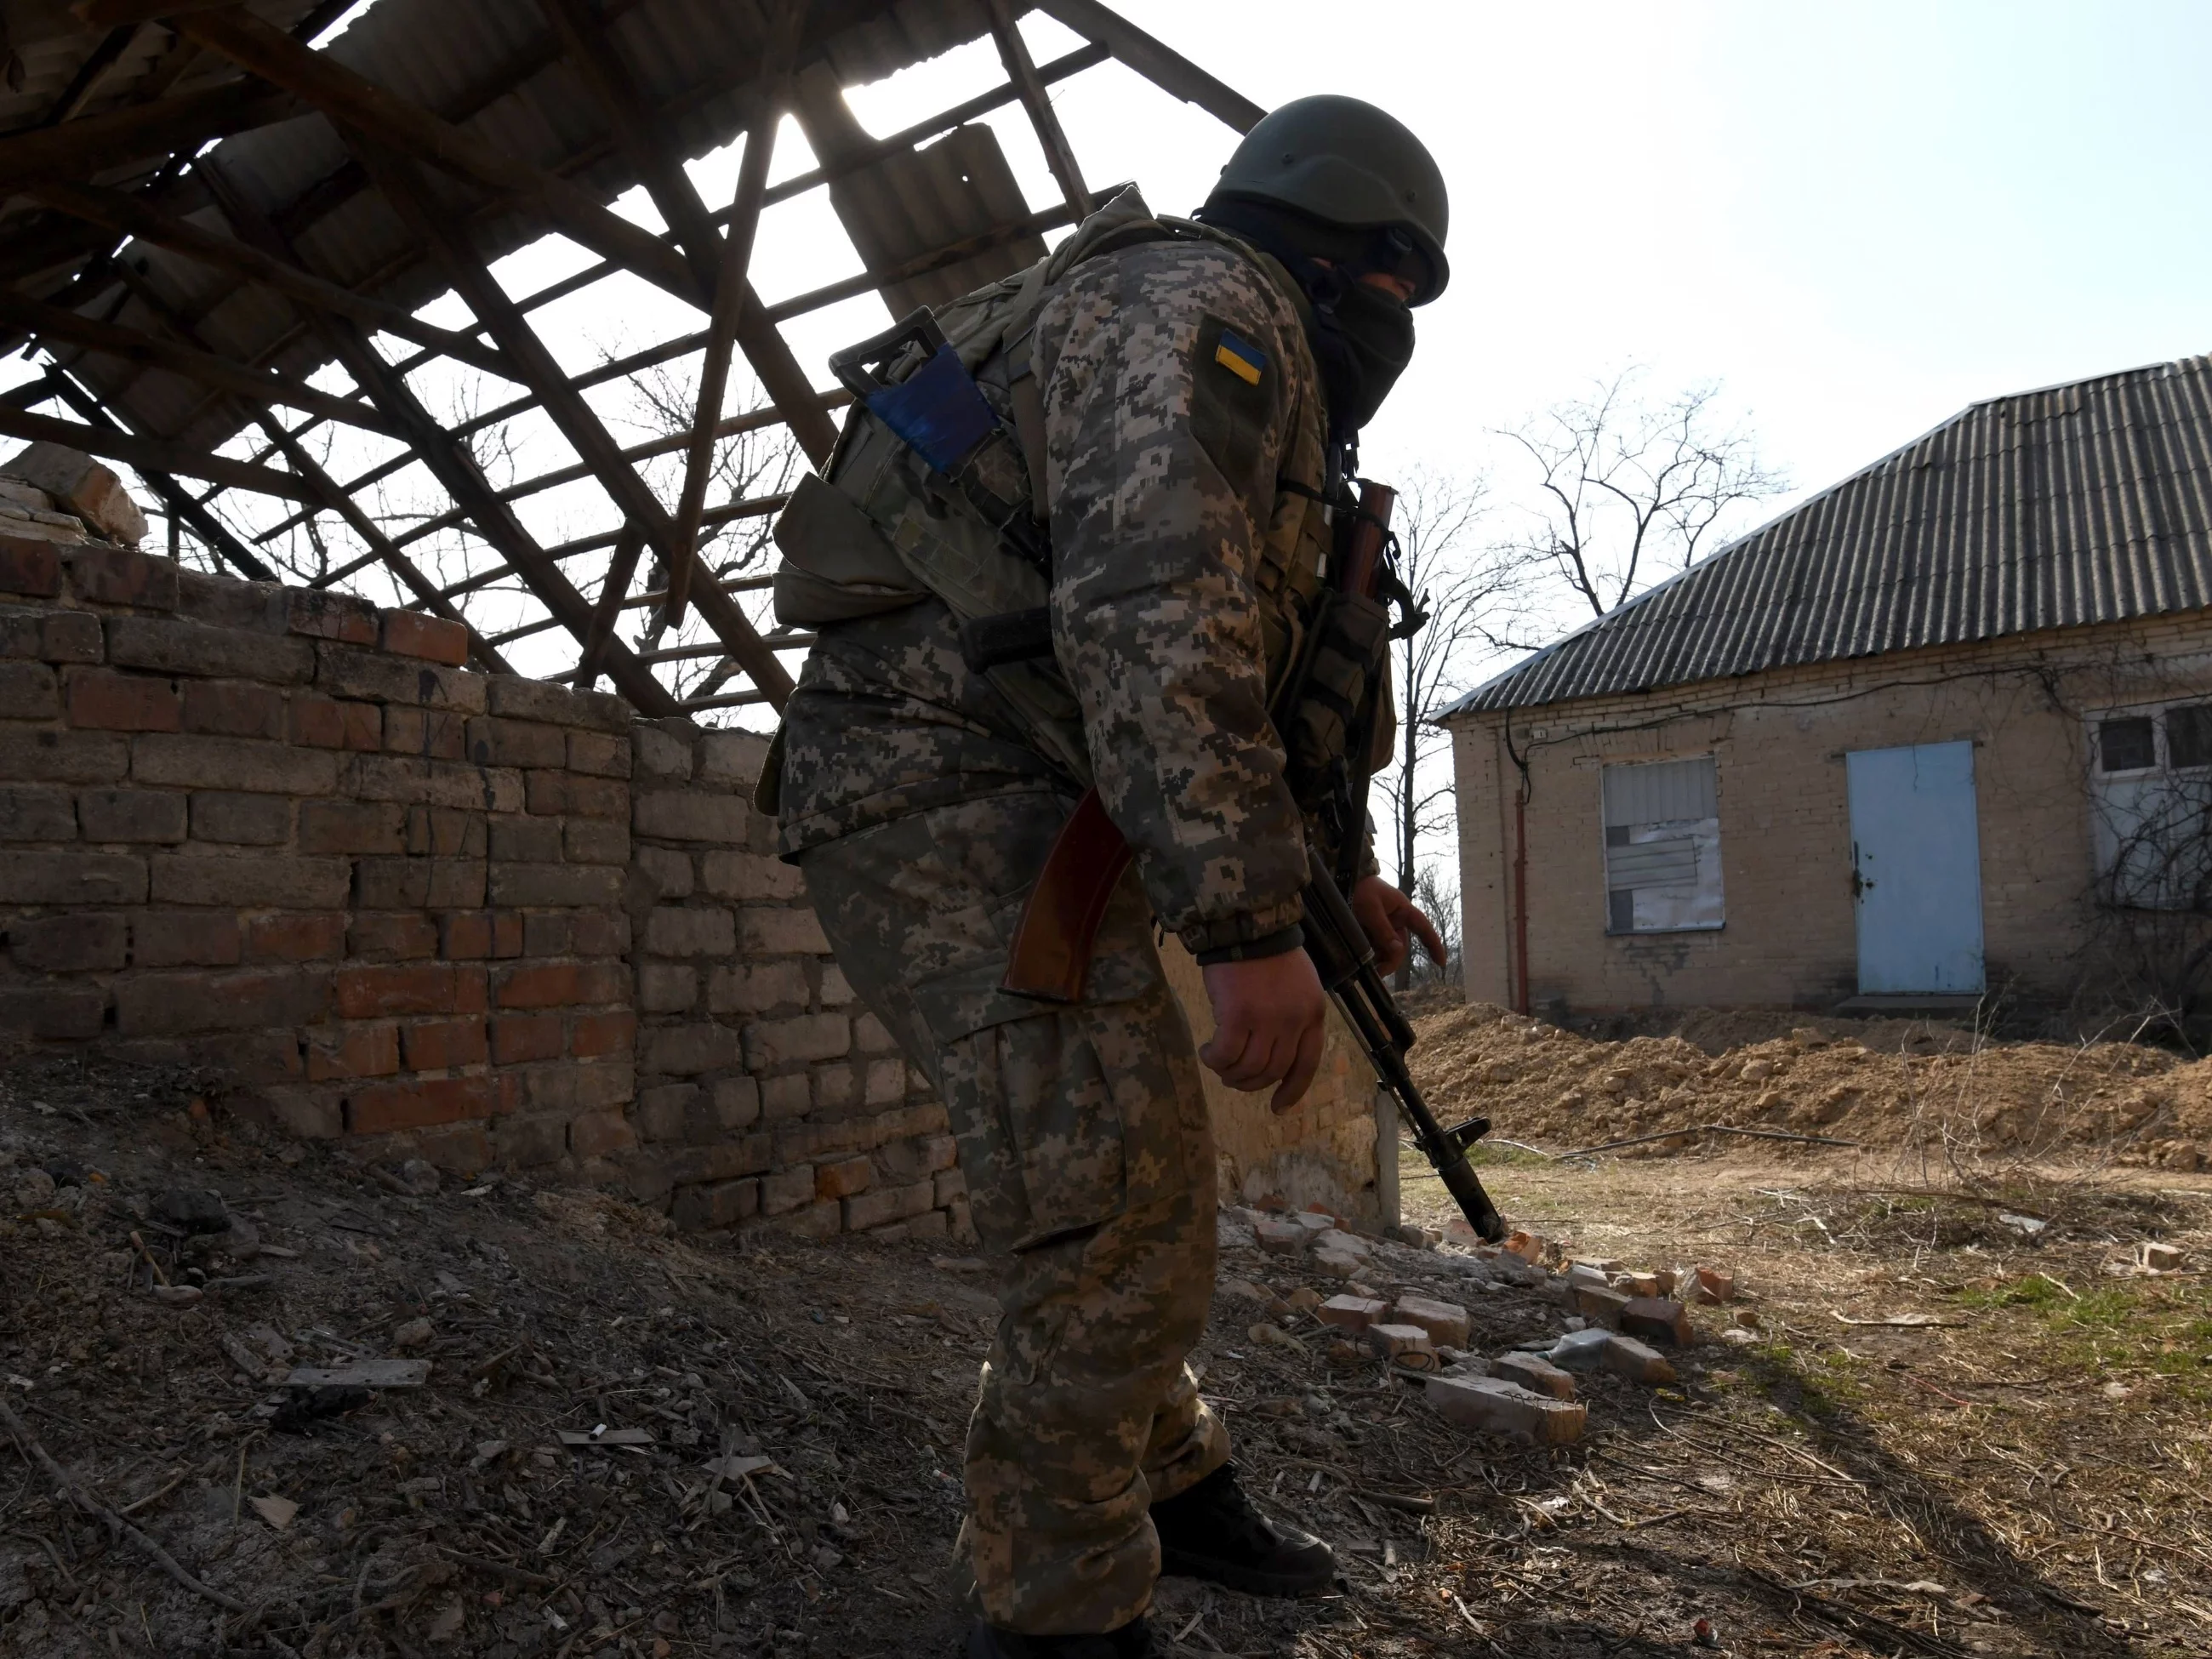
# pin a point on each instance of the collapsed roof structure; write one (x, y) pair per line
(224, 241)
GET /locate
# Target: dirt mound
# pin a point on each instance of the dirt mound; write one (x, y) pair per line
(785, 1419)
(1892, 1083)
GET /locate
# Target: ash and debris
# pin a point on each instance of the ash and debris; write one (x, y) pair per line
(625, 1442)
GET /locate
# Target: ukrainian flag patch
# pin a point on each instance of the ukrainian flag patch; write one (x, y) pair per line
(1239, 358)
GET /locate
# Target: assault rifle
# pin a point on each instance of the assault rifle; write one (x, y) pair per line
(1053, 942)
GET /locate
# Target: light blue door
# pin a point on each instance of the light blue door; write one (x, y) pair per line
(1917, 869)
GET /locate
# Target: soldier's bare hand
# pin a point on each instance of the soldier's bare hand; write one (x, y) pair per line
(1268, 1024)
(1392, 921)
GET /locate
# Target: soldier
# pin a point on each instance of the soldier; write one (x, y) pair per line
(1177, 401)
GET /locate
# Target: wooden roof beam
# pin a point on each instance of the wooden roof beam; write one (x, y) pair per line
(158, 453)
(138, 132)
(449, 462)
(1036, 102)
(402, 186)
(1162, 65)
(636, 133)
(354, 101)
(638, 602)
(51, 323)
(759, 507)
(172, 496)
(732, 287)
(121, 212)
(410, 574)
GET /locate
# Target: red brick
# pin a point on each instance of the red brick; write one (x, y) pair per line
(55, 1016)
(393, 936)
(597, 1134)
(587, 798)
(417, 1105)
(425, 732)
(347, 826)
(29, 567)
(843, 1179)
(465, 935)
(323, 722)
(599, 933)
(101, 700)
(560, 985)
(163, 1004)
(234, 708)
(185, 939)
(603, 1034)
(441, 832)
(365, 992)
(115, 575)
(330, 616)
(296, 937)
(518, 1037)
(347, 1051)
(463, 1148)
(438, 1045)
(410, 633)
(472, 935)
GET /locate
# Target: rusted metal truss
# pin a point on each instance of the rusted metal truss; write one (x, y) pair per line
(206, 316)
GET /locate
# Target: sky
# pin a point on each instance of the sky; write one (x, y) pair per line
(1858, 218)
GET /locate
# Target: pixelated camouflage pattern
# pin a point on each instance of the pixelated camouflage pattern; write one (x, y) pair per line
(1089, 1158)
(1158, 590)
(888, 721)
(1180, 574)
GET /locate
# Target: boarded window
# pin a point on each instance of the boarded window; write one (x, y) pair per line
(1662, 846)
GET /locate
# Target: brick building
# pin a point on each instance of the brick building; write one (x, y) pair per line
(1942, 732)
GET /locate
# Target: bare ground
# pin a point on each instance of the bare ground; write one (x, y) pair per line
(2028, 1475)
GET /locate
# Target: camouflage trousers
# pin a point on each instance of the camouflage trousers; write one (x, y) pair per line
(1089, 1160)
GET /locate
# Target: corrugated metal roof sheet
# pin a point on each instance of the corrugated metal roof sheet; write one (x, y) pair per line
(54, 66)
(2077, 504)
(490, 66)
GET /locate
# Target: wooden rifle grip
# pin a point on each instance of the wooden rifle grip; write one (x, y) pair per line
(1369, 532)
(1050, 957)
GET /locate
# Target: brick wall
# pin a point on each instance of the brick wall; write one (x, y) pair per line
(765, 1091)
(1779, 740)
(479, 918)
(283, 833)
(1323, 1150)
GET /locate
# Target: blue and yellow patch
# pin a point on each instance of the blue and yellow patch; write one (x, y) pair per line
(1239, 358)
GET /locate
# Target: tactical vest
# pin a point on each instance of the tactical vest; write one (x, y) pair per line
(881, 528)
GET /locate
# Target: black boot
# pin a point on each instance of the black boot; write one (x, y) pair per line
(1211, 1532)
(1132, 1641)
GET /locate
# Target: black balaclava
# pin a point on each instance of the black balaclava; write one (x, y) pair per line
(1363, 338)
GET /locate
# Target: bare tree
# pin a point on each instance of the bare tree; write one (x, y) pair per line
(1438, 896)
(1455, 584)
(1629, 489)
(755, 466)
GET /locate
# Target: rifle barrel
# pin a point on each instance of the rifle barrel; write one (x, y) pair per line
(1345, 962)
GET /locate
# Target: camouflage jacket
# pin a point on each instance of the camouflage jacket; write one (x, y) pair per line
(1179, 389)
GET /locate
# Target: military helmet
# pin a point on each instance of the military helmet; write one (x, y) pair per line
(1347, 163)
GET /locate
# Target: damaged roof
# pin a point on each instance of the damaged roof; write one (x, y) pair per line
(494, 69)
(2073, 505)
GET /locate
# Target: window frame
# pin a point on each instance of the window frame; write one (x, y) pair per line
(2112, 797)
(1719, 887)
